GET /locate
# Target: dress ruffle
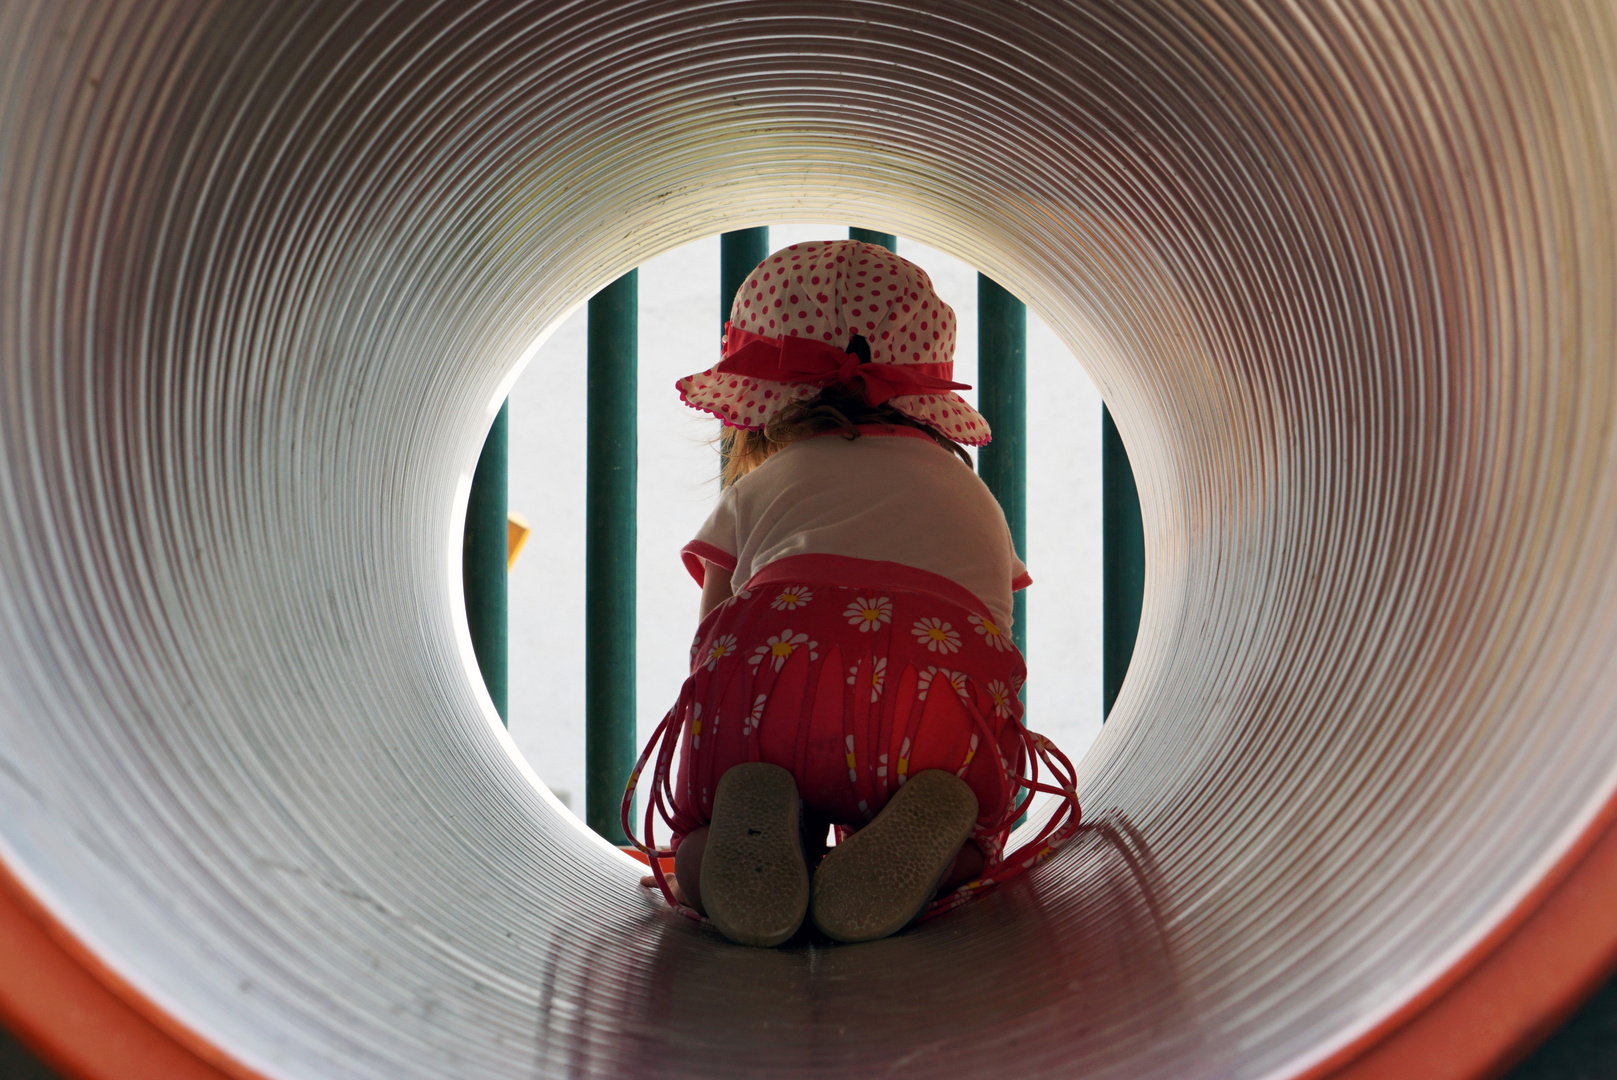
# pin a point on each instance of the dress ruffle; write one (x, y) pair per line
(854, 688)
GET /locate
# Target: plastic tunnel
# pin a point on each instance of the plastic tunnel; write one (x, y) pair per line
(1343, 272)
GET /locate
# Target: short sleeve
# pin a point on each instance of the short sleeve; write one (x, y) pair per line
(715, 541)
(1020, 578)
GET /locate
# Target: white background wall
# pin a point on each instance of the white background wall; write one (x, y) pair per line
(679, 334)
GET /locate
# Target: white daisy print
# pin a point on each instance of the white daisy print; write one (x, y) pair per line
(791, 598)
(1001, 695)
(990, 631)
(971, 752)
(742, 594)
(725, 646)
(956, 679)
(937, 635)
(878, 676)
(781, 646)
(869, 613)
(750, 723)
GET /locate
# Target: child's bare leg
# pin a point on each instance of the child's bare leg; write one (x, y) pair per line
(969, 862)
(687, 883)
(688, 868)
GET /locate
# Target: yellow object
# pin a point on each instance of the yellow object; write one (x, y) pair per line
(516, 534)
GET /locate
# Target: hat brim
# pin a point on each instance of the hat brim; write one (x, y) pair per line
(752, 403)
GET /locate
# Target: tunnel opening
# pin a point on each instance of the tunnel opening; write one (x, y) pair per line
(547, 449)
(268, 267)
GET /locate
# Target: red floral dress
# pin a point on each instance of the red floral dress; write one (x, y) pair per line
(855, 675)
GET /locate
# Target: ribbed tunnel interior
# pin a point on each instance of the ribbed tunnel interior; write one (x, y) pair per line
(1344, 274)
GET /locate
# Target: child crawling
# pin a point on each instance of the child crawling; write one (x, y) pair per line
(853, 666)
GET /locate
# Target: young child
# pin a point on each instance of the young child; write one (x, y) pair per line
(853, 666)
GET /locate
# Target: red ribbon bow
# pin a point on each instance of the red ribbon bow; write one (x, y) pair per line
(805, 360)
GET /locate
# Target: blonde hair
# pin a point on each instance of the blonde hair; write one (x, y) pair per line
(835, 409)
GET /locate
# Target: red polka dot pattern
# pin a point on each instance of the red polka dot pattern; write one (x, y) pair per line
(831, 290)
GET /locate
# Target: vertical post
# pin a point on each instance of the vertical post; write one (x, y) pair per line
(739, 252)
(1002, 399)
(1122, 561)
(609, 553)
(482, 561)
(871, 236)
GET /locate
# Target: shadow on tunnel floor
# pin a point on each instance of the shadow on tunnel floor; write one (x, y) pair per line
(16, 1063)
(1584, 1049)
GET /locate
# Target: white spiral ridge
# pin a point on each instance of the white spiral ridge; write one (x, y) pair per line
(1344, 275)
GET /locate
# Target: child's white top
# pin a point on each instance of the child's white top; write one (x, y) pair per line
(904, 500)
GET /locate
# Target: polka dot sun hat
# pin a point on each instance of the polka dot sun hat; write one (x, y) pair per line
(796, 315)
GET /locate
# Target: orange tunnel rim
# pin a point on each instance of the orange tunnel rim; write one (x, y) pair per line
(1491, 1009)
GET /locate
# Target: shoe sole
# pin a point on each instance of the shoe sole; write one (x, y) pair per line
(755, 884)
(879, 879)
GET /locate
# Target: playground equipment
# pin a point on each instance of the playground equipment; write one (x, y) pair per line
(1342, 272)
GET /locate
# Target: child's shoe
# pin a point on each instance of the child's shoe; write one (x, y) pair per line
(880, 878)
(755, 884)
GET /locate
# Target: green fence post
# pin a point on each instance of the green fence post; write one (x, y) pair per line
(1122, 561)
(609, 553)
(1002, 399)
(482, 562)
(871, 236)
(739, 252)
